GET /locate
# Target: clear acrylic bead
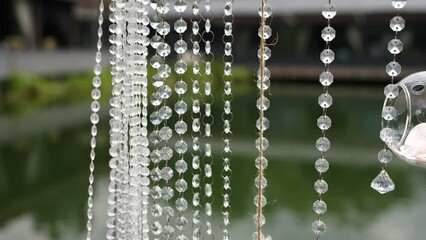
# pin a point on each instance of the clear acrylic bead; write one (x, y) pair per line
(318, 227)
(321, 186)
(164, 92)
(383, 183)
(157, 81)
(325, 100)
(180, 107)
(323, 144)
(166, 173)
(320, 207)
(328, 34)
(156, 61)
(391, 91)
(389, 113)
(395, 46)
(321, 165)
(397, 24)
(324, 122)
(385, 156)
(327, 56)
(329, 11)
(265, 104)
(399, 4)
(262, 201)
(156, 40)
(181, 204)
(393, 69)
(167, 193)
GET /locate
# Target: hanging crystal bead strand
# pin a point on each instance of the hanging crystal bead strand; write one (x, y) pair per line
(383, 183)
(196, 116)
(116, 120)
(324, 122)
(262, 124)
(181, 127)
(157, 81)
(208, 119)
(227, 116)
(94, 119)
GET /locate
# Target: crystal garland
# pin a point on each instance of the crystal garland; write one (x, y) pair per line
(324, 121)
(383, 183)
(196, 120)
(227, 116)
(94, 119)
(181, 127)
(208, 57)
(262, 124)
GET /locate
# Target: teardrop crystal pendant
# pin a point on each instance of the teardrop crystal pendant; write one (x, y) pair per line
(383, 183)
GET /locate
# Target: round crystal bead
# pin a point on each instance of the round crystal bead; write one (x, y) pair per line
(395, 46)
(262, 201)
(329, 11)
(264, 125)
(181, 185)
(181, 147)
(258, 184)
(181, 166)
(263, 105)
(264, 163)
(264, 143)
(180, 67)
(397, 23)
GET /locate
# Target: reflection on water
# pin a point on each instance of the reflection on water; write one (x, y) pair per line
(43, 177)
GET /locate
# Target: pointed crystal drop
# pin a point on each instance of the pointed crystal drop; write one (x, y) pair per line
(391, 91)
(329, 11)
(328, 34)
(399, 4)
(327, 56)
(393, 69)
(397, 23)
(395, 46)
(383, 183)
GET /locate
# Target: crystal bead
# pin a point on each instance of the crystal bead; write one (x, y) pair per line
(156, 210)
(180, 107)
(166, 153)
(383, 183)
(196, 180)
(327, 56)
(181, 223)
(156, 61)
(257, 182)
(262, 201)
(228, 8)
(96, 81)
(180, 26)
(168, 231)
(180, 67)
(228, 49)
(321, 165)
(264, 145)
(181, 185)
(266, 53)
(180, 6)
(391, 91)
(181, 46)
(321, 186)
(196, 106)
(325, 100)
(389, 136)
(181, 146)
(163, 28)
(267, 11)
(166, 173)
(181, 166)
(393, 69)
(167, 193)
(196, 124)
(256, 219)
(156, 228)
(164, 92)
(385, 156)
(267, 32)
(195, 87)
(323, 144)
(181, 204)
(156, 40)
(165, 133)
(399, 4)
(326, 78)
(266, 84)
(157, 81)
(318, 227)
(181, 127)
(164, 50)
(264, 125)
(320, 207)
(397, 24)
(164, 71)
(329, 11)
(156, 192)
(264, 163)
(180, 87)
(324, 123)
(165, 112)
(389, 113)
(96, 94)
(196, 162)
(328, 34)
(266, 104)
(395, 46)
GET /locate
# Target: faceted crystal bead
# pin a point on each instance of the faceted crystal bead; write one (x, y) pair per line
(180, 67)
(166, 153)
(164, 50)
(164, 71)
(326, 78)
(228, 49)
(389, 135)
(196, 124)
(262, 201)
(181, 166)
(156, 61)
(393, 69)
(267, 32)
(399, 4)
(265, 104)
(395, 46)
(389, 113)
(156, 210)
(181, 46)
(383, 183)
(325, 100)
(181, 223)
(164, 92)
(181, 87)
(320, 207)
(327, 56)
(157, 81)
(267, 11)
(257, 182)
(180, 26)
(324, 123)
(165, 112)
(321, 186)
(391, 91)
(266, 53)
(196, 106)
(163, 28)
(156, 40)
(181, 204)
(181, 185)
(155, 119)
(318, 227)
(156, 192)
(329, 11)
(180, 6)
(181, 147)
(323, 144)
(168, 231)
(195, 87)
(264, 163)
(264, 125)
(262, 219)
(321, 165)
(196, 180)
(264, 145)
(166, 173)
(181, 127)
(328, 34)
(397, 23)
(156, 228)
(165, 133)
(385, 156)
(167, 193)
